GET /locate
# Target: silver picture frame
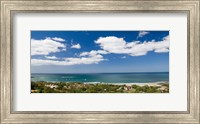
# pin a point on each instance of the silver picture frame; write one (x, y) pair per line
(10, 7)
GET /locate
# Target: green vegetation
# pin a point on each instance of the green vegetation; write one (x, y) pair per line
(47, 87)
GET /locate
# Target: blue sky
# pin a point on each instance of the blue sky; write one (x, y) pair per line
(99, 51)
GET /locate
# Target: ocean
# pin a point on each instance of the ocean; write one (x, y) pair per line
(142, 77)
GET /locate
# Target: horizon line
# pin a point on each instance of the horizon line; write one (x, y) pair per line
(99, 72)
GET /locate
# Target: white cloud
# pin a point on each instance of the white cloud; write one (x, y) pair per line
(51, 57)
(117, 45)
(58, 39)
(95, 59)
(85, 60)
(93, 52)
(46, 46)
(109, 45)
(76, 46)
(142, 33)
(163, 50)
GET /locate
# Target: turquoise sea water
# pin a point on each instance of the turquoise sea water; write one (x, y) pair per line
(142, 77)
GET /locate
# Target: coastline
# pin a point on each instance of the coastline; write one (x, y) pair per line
(95, 87)
(159, 83)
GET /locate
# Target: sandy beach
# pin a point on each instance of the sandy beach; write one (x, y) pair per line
(130, 84)
(149, 84)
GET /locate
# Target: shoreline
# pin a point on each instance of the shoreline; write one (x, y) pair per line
(77, 87)
(159, 83)
(128, 84)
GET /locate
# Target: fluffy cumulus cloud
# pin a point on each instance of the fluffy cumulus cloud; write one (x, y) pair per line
(117, 45)
(51, 57)
(76, 46)
(142, 33)
(46, 46)
(93, 53)
(108, 45)
(94, 59)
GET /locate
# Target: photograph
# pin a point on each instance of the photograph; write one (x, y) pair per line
(99, 61)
